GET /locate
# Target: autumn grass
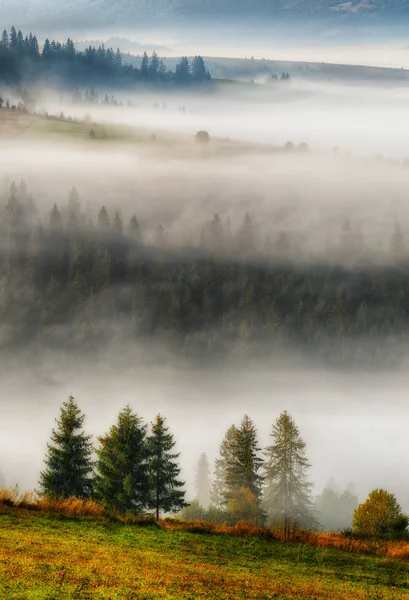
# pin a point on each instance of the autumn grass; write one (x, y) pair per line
(46, 555)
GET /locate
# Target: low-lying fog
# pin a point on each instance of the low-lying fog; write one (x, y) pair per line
(355, 427)
(312, 193)
(359, 117)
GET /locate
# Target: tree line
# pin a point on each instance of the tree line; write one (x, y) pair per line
(22, 58)
(272, 488)
(133, 471)
(228, 294)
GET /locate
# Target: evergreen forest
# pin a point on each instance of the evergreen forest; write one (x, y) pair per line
(24, 61)
(75, 280)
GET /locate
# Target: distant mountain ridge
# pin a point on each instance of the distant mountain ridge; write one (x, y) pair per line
(128, 13)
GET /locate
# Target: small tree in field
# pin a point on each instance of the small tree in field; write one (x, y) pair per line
(69, 468)
(194, 511)
(165, 489)
(202, 137)
(379, 516)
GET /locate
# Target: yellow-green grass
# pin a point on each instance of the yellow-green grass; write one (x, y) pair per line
(55, 557)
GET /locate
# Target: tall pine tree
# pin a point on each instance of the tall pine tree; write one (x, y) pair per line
(122, 466)
(287, 498)
(69, 467)
(166, 491)
(218, 492)
(244, 462)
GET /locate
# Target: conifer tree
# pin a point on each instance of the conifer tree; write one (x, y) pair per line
(55, 219)
(218, 492)
(335, 510)
(153, 66)
(182, 72)
(122, 464)
(203, 481)
(287, 496)
(13, 38)
(69, 466)
(166, 491)
(199, 73)
(244, 462)
(117, 225)
(134, 230)
(5, 39)
(103, 219)
(145, 65)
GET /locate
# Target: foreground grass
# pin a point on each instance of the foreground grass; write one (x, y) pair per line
(56, 557)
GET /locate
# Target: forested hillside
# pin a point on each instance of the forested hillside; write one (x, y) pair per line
(229, 290)
(22, 60)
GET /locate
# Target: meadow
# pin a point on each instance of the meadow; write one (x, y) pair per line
(27, 129)
(56, 555)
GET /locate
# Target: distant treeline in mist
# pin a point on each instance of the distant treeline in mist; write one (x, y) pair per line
(72, 282)
(22, 60)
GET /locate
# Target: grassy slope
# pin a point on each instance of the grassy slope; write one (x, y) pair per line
(48, 557)
(25, 128)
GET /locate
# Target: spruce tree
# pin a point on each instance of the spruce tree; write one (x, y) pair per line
(122, 464)
(69, 466)
(13, 38)
(145, 65)
(166, 491)
(55, 219)
(103, 219)
(244, 463)
(218, 492)
(203, 481)
(287, 497)
(117, 225)
(153, 66)
(182, 72)
(198, 69)
(5, 39)
(134, 230)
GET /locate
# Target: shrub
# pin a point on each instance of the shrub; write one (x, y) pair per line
(379, 516)
(193, 512)
(202, 137)
(245, 507)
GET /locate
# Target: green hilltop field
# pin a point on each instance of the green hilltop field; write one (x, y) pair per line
(19, 127)
(45, 556)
